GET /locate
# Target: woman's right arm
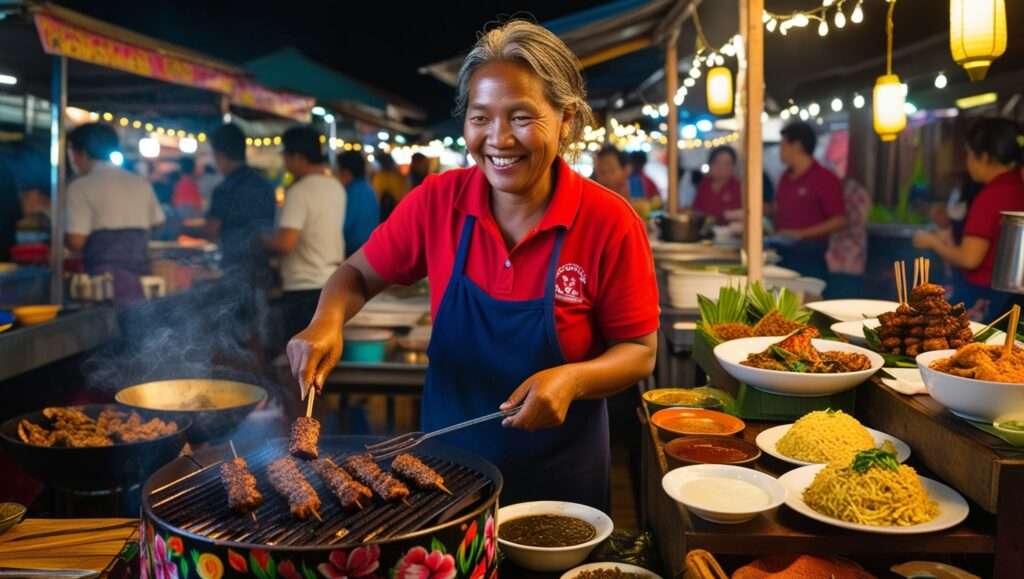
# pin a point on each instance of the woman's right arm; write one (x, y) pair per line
(313, 352)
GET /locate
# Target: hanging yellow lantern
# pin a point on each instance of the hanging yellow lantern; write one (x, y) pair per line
(977, 34)
(888, 102)
(720, 90)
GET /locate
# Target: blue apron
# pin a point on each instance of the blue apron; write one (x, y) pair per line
(481, 350)
(122, 253)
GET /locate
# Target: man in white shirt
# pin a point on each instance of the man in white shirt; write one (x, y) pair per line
(110, 212)
(309, 232)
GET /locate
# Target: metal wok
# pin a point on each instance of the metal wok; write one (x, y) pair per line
(215, 407)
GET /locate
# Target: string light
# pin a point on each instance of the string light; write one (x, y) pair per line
(837, 104)
(941, 81)
(776, 21)
(858, 101)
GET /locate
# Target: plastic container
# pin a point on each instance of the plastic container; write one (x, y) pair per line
(366, 345)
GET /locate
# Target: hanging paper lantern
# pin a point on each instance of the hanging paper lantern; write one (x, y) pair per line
(888, 104)
(720, 90)
(977, 34)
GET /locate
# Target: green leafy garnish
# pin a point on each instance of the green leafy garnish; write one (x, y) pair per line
(786, 302)
(874, 457)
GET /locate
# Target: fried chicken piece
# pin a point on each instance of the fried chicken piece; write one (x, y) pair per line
(927, 290)
(932, 344)
(800, 344)
(888, 319)
(731, 331)
(67, 417)
(848, 361)
(773, 324)
(30, 433)
(933, 306)
(912, 350)
(892, 342)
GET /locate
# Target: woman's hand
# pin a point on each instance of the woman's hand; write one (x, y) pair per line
(547, 396)
(313, 352)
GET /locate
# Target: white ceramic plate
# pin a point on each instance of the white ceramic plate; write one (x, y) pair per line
(911, 376)
(767, 440)
(953, 508)
(854, 331)
(624, 567)
(674, 481)
(979, 400)
(852, 310)
(730, 354)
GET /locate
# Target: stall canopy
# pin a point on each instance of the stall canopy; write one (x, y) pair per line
(618, 44)
(109, 51)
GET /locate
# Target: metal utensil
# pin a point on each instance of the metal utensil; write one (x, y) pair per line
(406, 442)
(1008, 275)
(42, 573)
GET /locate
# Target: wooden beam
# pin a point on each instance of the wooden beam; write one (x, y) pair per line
(752, 103)
(672, 150)
(615, 51)
(668, 29)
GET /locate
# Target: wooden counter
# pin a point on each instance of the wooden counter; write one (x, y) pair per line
(28, 348)
(979, 466)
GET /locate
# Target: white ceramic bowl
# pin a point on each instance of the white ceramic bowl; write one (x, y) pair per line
(674, 483)
(852, 310)
(607, 566)
(731, 353)
(550, 559)
(968, 398)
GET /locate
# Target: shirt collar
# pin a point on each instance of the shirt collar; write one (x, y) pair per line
(1011, 177)
(474, 197)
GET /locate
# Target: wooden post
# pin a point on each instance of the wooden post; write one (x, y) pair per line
(671, 86)
(751, 98)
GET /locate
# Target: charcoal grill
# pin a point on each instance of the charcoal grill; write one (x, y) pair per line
(186, 518)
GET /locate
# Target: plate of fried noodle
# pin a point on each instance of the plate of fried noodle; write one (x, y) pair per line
(873, 493)
(825, 436)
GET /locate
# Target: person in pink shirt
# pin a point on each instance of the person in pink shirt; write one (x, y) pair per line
(809, 204)
(719, 191)
(186, 199)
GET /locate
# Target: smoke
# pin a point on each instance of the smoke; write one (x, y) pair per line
(214, 330)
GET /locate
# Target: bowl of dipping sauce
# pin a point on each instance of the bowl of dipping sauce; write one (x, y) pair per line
(662, 398)
(687, 450)
(548, 536)
(722, 493)
(674, 422)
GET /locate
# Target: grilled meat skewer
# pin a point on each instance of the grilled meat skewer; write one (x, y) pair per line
(305, 434)
(411, 468)
(348, 490)
(362, 467)
(240, 485)
(287, 480)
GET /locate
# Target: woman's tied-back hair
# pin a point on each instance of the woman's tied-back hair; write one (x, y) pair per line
(547, 56)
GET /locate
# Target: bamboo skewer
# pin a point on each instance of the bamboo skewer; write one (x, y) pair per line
(309, 401)
(1011, 330)
(917, 271)
(993, 323)
(896, 277)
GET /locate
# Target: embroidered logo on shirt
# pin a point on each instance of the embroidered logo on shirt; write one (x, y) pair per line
(569, 281)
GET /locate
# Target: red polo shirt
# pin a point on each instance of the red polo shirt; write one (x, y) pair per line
(809, 199)
(605, 287)
(715, 203)
(1004, 193)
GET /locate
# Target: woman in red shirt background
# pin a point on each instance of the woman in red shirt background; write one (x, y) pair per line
(542, 282)
(719, 191)
(993, 151)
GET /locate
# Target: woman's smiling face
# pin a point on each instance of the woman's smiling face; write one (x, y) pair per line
(511, 130)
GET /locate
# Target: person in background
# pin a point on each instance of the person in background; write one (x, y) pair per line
(809, 204)
(389, 184)
(848, 248)
(640, 185)
(610, 170)
(361, 211)
(419, 168)
(110, 212)
(309, 233)
(242, 206)
(186, 199)
(993, 152)
(719, 191)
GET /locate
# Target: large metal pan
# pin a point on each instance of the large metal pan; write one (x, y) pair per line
(215, 407)
(681, 228)
(92, 468)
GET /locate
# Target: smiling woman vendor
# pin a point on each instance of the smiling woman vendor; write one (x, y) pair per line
(542, 282)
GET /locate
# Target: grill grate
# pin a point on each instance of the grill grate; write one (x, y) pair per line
(197, 504)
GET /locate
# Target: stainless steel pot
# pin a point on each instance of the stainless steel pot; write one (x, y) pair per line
(1009, 266)
(682, 228)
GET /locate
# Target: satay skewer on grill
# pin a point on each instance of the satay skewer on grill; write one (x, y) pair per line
(411, 468)
(347, 489)
(240, 484)
(305, 432)
(366, 471)
(287, 480)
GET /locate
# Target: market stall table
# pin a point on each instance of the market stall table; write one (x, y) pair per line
(72, 332)
(979, 466)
